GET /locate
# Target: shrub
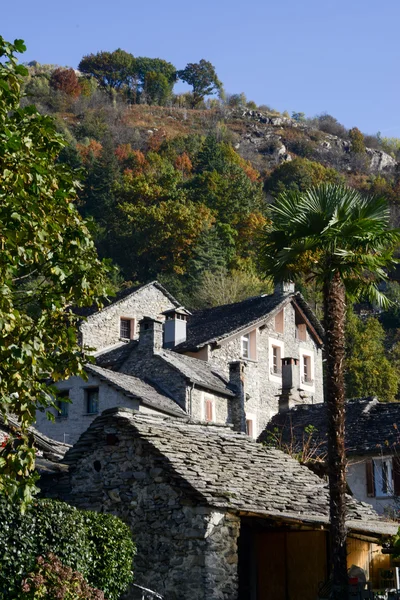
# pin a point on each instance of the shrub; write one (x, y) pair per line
(50, 526)
(112, 552)
(53, 581)
(331, 125)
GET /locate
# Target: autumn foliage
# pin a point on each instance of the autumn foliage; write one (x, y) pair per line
(66, 80)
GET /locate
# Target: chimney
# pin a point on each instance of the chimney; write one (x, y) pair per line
(284, 288)
(237, 381)
(290, 394)
(151, 335)
(175, 326)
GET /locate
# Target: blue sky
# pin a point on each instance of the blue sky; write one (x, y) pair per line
(313, 56)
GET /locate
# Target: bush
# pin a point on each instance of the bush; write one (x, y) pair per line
(329, 124)
(52, 580)
(50, 526)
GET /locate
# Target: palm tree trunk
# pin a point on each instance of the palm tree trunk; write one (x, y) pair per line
(334, 316)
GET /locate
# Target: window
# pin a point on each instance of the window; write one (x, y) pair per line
(92, 401)
(249, 345)
(208, 410)
(246, 346)
(307, 375)
(276, 360)
(276, 353)
(279, 321)
(251, 425)
(62, 405)
(383, 477)
(127, 329)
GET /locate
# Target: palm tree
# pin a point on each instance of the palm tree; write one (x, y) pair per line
(341, 239)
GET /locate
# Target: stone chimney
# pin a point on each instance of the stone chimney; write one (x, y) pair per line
(237, 381)
(290, 394)
(175, 326)
(151, 335)
(284, 288)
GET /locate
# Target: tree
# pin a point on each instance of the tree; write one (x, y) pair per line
(203, 78)
(48, 263)
(113, 70)
(357, 141)
(343, 241)
(65, 80)
(300, 174)
(368, 368)
(155, 79)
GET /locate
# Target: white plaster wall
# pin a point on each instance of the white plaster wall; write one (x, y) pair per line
(68, 429)
(356, 479)
(102, 329)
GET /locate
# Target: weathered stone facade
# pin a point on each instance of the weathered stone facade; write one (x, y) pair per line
(102, 329)
(262, 387)
(185, 550)
(184, 489)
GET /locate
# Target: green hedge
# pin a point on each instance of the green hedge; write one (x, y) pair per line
(97, 545)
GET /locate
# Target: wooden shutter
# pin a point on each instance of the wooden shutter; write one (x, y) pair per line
(396, 475)
(209, 410)
(369, 470)
(279, 322)
(249, 427)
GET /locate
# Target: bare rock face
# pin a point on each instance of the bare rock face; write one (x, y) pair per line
(380, 161)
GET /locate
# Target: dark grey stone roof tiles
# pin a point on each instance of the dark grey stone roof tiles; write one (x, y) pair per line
(225, 469)
(372, 427)
(137, 388)
(214, 324)
(197, 371)
(46, 446)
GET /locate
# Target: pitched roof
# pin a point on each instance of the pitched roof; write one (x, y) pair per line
(133, 387)
(46, 447)
(224, 469)
(197, 371)
(86, 311)
(372, 427)
(214, 324)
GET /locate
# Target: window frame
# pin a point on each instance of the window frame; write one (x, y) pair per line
(88, 400)
(251, 418)
(379, 483)
(63, 412)
(307, 381)
(276, 375)
(132, 327)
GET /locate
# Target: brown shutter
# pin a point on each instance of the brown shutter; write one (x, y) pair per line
(209, 411)
(396, 475)
(369, 465)
(249, 427)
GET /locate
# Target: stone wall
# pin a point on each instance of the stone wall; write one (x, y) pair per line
(102, 329)
(185, 550)
(262, 389)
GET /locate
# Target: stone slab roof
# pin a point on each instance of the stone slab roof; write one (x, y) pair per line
(197, 371)
(372, 427)
(133, 387)
(86, 311)
(46, 447)
(214, 324)
(223, 469)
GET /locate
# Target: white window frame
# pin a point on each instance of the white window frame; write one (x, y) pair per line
(203, 408)
(245, 346)
(378, 464)
(132, 327)
(252, 417)
(307, 385)
(277, 377)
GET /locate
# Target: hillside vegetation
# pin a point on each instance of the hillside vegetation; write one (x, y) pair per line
(177, 185)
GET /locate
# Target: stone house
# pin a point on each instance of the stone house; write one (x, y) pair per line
(215, 515)
(372, 446)
(234, 364)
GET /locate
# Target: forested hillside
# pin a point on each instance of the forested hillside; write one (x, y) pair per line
(177, 185)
